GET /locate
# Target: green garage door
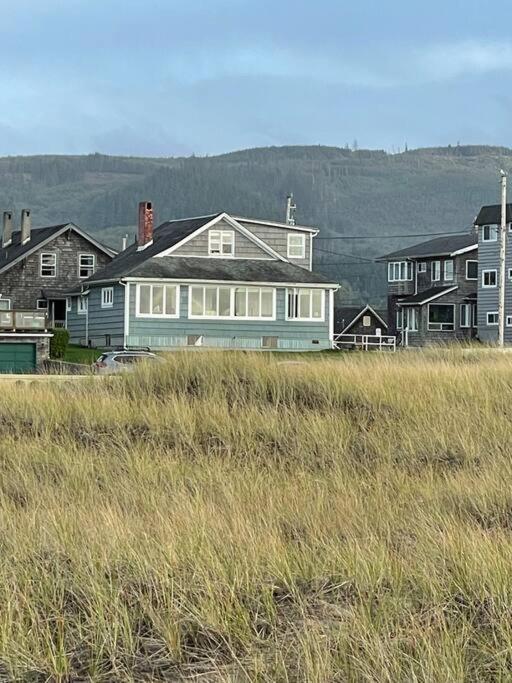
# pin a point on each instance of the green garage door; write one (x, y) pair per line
(17, 357)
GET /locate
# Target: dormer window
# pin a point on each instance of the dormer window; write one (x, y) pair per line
(489, 233)
(221, 243)
(296, 245)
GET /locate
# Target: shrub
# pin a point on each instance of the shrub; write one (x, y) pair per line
(59, 343)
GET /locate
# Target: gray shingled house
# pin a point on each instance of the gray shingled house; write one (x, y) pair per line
(432, 290)
(215, 281)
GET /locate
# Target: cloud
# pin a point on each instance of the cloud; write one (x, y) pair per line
(466, 58)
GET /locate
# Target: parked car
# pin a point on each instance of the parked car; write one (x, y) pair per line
(122, 361)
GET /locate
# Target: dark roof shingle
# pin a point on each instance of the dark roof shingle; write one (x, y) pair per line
(441, 246)
(491, 215)
(427, 295)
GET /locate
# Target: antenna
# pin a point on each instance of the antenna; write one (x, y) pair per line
(291, 208)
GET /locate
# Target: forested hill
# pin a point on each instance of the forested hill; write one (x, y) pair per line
(343, 192)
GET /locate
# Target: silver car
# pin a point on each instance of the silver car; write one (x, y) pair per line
(122, 361)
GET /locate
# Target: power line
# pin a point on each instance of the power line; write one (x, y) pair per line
(388, 237)
(341, 253)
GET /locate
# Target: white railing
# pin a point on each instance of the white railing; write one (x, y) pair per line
(365, 342)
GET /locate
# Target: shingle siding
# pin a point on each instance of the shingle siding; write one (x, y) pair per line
(244, 247)
(277, 238)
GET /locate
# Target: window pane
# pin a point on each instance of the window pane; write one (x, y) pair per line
(228, 239)
(253, 303)
(448, 270)
(267, 300)
(439, 313)
(241, 301)
(214, 242)
(197, 300)
(170, 300)
(158, 300)
(472, 270)
(292, 304)
(224, 301)
(304, 303)
(210, 301)
(316, 309)
(144, 299)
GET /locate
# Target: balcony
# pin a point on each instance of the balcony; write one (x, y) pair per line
(22, 321)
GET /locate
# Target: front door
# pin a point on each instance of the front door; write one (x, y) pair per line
(57, 312)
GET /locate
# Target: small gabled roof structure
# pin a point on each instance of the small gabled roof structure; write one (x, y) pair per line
(491, 215)
(346, 316)
(427, 295)
(16, 251)
(448, 245)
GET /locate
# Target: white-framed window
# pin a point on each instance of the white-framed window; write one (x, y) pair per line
(489, 278)
(441, 317)
(42, 304)
(107, 297)
(221, 242)
(68, 304)
(492, 318)
(510, 273)
(399, 271)
(474, 318)
(465, 315)
(489, 233)
(412, 318)
(5, 304)
(86, 265)
(296, 247)
(509, 321)
(305, 304)
(157, 301)
(399, 319)
(471, 270)
(212, 301)
(82, 305)
(436, 271)
(367, 320)
(448, 270)
(422, 267)
(48, 265)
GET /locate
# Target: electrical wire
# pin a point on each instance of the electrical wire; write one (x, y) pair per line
(388, 237)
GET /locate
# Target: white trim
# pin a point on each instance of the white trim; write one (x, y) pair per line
(107, 300)
(331, 317)
(490, 226)
(274, 224)
(41, 308)
(156, 316)
(302, 285)
(222, 234)
(465, 250)
(487, 318)
(26, 334)
(432, 271)
(472, 279)
(508, 320)
(302, 246)
(297, 319)
(53, 265)
(240, 318)
(83, 311)
(490, 270)
(450, 279)
(361, 313)
(433, 329)
(226, 217)
(467, 307)
(85, 277)
(431, 298)
(408, 264)
(420, 269)
(126, 328)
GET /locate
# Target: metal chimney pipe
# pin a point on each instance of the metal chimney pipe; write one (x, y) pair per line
(26, 226)
(125, 242)
(7, 233)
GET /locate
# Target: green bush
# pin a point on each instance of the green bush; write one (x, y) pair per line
(59, 343)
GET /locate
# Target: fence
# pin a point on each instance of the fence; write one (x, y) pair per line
(365, 342)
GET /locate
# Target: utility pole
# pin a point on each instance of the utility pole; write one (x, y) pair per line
(503, 254)
(291, 207)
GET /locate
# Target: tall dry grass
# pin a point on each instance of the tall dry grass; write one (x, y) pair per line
(231, 518)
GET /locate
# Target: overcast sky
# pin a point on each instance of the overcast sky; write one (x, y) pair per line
(173, 77)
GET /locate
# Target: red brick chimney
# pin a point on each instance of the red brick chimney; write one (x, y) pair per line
(145, 234)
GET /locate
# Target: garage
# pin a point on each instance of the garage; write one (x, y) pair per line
(17, 357)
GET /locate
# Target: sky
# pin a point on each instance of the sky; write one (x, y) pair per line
(172, 78)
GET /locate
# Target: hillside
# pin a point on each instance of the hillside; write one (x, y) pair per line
(341, 191)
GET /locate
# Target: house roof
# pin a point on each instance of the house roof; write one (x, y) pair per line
(448, 245)
(346, 316)
(491, 215)
(427, 295)
(16, 251)
(217, 269)
(147, 263)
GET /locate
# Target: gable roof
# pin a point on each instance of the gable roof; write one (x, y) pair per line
(16, 251)
(427, 295)
(448, 245)
(277, 224)
(346, 316)
(491, 215)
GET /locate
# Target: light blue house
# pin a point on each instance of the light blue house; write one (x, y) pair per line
(215, 281)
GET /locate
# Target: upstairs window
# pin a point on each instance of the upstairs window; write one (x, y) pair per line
(436, 271)
(489, 278)
(86, 263)
(221, 243)
(489, 233)
(471, 270)
(448, 270)
(107, 297)
(48, 265)
(296, 246)
(399, 271)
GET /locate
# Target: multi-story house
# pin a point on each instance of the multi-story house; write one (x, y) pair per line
(213, 281)
(488, 224)
(432, 290)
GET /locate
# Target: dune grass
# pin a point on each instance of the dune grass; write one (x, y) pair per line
(228, 517)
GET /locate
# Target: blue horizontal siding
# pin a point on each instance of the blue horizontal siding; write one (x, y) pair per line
(101, 321)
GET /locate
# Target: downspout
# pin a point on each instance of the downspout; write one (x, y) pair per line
(126, 320)
(331, 316)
